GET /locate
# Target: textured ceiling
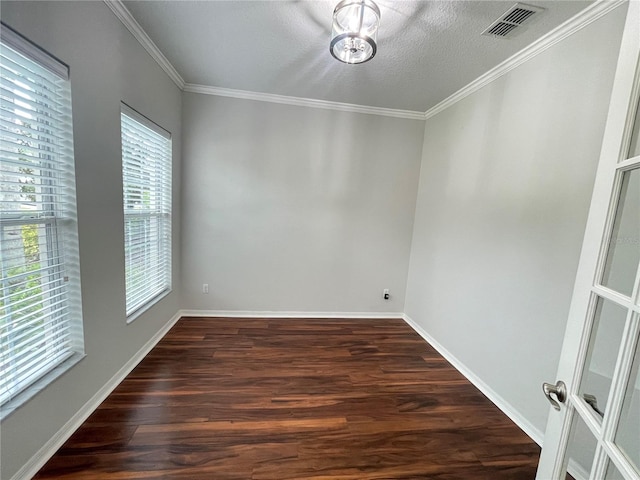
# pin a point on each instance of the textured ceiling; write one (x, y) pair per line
(427, 50)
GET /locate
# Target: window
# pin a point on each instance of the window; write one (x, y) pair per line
(40, 311)
(146, 178)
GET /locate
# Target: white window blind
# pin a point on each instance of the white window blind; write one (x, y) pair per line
(146, 175)
(40, 311)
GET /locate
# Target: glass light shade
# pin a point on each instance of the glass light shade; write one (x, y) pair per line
(355, 30)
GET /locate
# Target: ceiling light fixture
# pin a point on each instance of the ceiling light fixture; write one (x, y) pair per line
(354, 32)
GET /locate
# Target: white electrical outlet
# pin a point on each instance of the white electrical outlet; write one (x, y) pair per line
(205, 288)
(385, 294)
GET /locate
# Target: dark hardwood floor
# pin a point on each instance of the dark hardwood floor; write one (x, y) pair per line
(276, 399)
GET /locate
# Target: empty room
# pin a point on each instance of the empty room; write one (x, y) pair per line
(320, 240)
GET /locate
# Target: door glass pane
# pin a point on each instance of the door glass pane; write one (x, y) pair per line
(581, 449)
(635, 138)
(606, 336)
(624, 250)
(613, 473)
(628, 433)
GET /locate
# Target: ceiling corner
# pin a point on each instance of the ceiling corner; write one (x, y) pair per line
(124, 15)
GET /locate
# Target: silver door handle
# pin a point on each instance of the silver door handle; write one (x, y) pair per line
(559, 390)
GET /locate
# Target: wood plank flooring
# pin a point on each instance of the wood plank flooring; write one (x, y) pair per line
(278, 399)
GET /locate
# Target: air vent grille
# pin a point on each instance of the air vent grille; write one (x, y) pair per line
(518, 15)
(501, 29)
(511, 19)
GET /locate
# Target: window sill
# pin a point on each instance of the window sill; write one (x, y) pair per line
(143, 308)
(42, 383)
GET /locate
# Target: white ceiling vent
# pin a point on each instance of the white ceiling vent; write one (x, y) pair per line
(512, 19)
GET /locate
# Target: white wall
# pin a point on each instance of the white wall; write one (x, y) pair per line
(291, 208)
(298, 209)
(107, 66)
(505, 185)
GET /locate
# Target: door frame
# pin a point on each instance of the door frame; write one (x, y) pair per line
(616, 143)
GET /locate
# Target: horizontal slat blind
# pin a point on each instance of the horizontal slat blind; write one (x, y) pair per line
(38, 231)
(146, 174)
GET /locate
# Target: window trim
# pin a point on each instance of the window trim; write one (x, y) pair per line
(65, 237)
(140, 118)
(136, 116)
(32, 51)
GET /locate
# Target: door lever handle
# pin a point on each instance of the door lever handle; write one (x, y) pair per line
(559, 390)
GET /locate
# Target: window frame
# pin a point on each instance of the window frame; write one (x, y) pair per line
(51, 330)
(160, 218)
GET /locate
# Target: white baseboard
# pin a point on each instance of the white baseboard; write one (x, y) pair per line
(271, 314)
(37, 461)
(535, 434)
(508, 409)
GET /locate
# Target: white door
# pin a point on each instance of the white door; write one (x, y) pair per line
(595, 434)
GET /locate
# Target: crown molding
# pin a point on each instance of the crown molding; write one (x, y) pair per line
(125, 16)
(138, 32)
(568, 28)
(302, 102)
